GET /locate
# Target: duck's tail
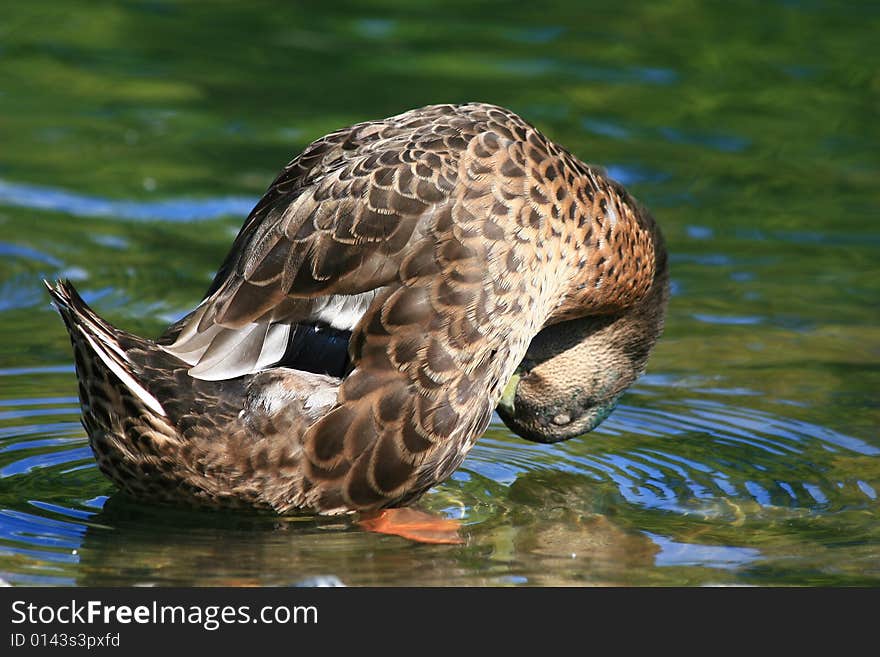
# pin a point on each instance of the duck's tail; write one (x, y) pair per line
(99, 352)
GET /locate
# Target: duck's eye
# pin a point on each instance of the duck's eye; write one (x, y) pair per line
(561, 419)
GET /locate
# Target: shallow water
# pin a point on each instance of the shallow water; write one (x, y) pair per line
(136, 138)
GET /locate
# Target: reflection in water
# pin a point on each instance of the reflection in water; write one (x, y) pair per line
(549, 515)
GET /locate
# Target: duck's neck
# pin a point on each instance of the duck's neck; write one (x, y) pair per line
(610, 255)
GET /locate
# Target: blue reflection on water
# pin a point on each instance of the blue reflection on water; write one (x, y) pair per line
(45, 369)
(721, 142)
(867, 489)
(673, 553)
(25, 252)
(579, 71)
(43, 532)
(731, 320)
(53, 543)
(39, 197)
(62, 510)
(28, 463)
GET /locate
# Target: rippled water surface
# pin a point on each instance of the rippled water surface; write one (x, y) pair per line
(136, 138)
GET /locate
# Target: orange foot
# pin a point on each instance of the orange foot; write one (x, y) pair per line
(418, 526)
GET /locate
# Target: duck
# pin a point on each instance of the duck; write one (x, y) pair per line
(399, 281)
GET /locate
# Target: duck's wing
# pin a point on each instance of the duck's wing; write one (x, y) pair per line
(388, 229)
(330, 232)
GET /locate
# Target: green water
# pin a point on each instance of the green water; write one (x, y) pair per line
(134, 137)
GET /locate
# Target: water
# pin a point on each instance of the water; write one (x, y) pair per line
(136, 137)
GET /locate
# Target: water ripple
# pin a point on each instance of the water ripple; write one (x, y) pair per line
(697, 455)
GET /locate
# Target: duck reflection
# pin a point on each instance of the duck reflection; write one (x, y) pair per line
(539, 533)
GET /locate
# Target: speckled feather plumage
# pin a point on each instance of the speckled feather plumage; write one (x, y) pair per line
(451, 235)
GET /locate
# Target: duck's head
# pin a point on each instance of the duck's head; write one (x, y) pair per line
(574, 372)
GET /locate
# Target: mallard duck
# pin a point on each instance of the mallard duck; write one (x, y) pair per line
(395, 277)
